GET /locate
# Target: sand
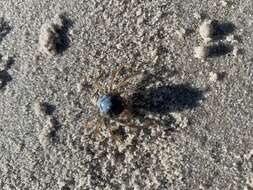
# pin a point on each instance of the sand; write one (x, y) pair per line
(196, 129)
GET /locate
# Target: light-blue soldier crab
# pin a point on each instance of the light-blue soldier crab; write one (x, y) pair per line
(111, 104)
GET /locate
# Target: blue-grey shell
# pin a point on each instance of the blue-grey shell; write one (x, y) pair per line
(104, 103)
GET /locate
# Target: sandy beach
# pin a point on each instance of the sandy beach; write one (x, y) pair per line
(190, 91)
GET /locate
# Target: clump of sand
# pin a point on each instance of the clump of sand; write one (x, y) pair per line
(201, 52)
(214, 42)
(207, 30)
(50, 38)
(47, 133)
(43, 108)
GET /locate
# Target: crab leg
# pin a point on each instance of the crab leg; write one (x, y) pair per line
(115, 73)
(114, 137)
(125, 81)
(91, 119)
(98, 86)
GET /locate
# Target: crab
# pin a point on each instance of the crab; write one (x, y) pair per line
(111, 105)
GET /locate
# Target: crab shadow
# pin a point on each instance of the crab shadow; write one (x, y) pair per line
(160, 101)
(165, 98)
